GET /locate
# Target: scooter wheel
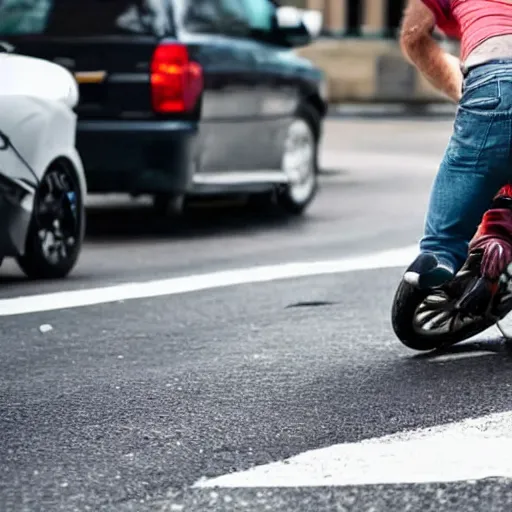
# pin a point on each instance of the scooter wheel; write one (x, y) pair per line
(425, 320)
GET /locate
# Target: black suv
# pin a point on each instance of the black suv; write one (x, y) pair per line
(183, 97)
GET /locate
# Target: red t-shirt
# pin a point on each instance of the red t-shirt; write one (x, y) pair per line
(444, 20)
(472, 21)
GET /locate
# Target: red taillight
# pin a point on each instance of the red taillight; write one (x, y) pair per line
(176, 82)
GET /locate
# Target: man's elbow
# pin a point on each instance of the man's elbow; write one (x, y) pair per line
(413, 43)
(416, 30)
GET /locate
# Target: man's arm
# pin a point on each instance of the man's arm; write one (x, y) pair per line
(440, 68)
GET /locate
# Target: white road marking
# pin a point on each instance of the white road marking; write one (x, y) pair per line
(467, 450)
(186, 284)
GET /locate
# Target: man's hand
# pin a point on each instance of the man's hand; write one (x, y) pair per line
(440, 68)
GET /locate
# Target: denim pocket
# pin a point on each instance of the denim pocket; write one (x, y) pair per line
(482, 96)
(470, 134)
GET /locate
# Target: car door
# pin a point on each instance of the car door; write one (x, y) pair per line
(216, 31)
(278, 84)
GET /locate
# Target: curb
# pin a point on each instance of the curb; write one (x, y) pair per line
(393, 110)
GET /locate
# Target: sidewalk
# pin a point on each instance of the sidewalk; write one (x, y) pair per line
(387, 110)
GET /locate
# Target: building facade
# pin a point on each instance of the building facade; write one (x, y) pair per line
(357, 17)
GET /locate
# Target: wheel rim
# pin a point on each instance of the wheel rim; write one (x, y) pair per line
(299, 161)
(441, 314)
(452, 308)
(437, 315)
(56, 215)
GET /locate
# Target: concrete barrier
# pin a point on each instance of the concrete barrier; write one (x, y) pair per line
(370, 71)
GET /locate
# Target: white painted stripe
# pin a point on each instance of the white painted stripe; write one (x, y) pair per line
(186, 284)
(468, 450)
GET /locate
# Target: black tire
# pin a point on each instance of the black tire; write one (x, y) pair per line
(34, 262)
(284, 195)
(405, 303)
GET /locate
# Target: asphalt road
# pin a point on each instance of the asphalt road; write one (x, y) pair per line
(130, 405)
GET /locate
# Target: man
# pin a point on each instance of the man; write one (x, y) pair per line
(477, 161)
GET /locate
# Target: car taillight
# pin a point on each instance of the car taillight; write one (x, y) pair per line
(176, 82)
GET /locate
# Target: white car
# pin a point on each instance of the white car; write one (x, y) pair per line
(42, 183)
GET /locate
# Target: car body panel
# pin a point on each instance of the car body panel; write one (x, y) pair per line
(37, 78)
(141, 156)
(39, 125)
(232, 135)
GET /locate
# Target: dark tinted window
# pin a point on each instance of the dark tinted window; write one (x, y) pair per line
(213, 17)
(84, 17)
(240, 17)
(260, 13)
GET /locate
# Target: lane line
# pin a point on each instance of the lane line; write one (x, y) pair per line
(186, 284)
(467, 450)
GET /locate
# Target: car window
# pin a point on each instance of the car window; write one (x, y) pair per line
(215, 17)
(85, 18)
(259, 13)
(243, 18)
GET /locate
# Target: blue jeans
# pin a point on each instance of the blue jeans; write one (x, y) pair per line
(476, 164)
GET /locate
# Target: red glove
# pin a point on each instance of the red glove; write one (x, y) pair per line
(494, 237)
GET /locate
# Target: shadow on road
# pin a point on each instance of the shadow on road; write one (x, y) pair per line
(113, 224)
(135, 222)
(498, 345)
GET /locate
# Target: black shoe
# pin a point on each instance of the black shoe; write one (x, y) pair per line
(426, 272)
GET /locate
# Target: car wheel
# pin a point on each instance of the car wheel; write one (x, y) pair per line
(300, 163)
(56, 232)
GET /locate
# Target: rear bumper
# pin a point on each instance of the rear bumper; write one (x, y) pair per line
(137, 156)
